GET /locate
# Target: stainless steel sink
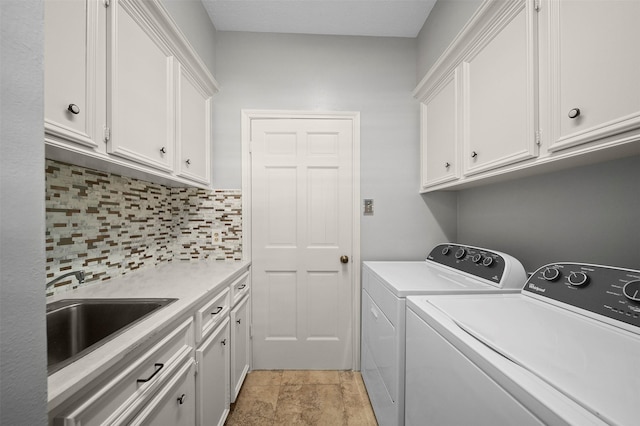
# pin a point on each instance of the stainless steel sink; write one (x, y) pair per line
(75, 327)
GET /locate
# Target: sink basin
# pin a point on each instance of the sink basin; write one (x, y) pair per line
(75, 327)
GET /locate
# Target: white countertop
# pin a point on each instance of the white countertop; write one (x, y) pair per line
(192, 283)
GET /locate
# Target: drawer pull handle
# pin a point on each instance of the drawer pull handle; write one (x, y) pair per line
(182, 398)
(224, 342)
(217, 311)
(158, 367)
(242, 286)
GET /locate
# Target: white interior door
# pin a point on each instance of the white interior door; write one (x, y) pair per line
(302, 199)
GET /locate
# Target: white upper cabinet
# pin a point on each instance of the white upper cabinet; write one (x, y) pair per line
(593, 55)
(194, 128)
(439, 133)
(74, 72)
(126, 92)
(499, 92)
(544, 85)
(141, 97)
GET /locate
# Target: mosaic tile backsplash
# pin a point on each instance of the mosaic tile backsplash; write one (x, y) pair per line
(109, 225)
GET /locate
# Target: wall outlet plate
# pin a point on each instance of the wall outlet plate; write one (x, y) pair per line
(216, 236)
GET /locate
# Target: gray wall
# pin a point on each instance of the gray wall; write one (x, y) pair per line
(587, 214)
(23, 376)
(372, 75)
(444, 22)
(192, 18)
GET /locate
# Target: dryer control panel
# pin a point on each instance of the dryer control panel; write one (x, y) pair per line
(604, 290)
(476, 261)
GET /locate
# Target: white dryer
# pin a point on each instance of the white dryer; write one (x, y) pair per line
(564, 351)
(449, 269)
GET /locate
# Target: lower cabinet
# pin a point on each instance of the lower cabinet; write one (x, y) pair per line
(240, 347)
(175, 404)
(152, 386)
(212, 381)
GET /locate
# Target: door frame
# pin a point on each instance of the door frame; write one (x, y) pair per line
(247, 116)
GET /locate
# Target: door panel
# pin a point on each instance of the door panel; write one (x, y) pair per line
(302, 198)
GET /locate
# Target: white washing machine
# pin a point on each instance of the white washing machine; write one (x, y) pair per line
(449, 269)
(564, 351)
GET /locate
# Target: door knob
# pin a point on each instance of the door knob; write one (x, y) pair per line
(344, 259)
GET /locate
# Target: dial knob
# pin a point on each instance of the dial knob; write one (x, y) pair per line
(551, 274)
(632, 290)
(477, 258)
(460, 253)
(578, 278)
(488, 261)
(446, 251)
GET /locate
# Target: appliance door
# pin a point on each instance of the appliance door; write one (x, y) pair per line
(443, 387)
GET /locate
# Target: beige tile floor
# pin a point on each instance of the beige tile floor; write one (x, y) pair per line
(302, 397)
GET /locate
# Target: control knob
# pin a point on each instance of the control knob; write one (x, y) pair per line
(446, 250)
(631, 290)
(477, 258)
(578, 278)
(488, 261)
(460, 253)
(551, 274)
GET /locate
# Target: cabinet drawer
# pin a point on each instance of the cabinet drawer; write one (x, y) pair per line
(175, 404)
(211, 314)
(239, 288)
(132, 386)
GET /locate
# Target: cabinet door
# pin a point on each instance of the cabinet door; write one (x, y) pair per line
(240, 349)
(74, 71)
(175, 403)
(439, 133)
(141, 93)
(213, 385)
(594, 63)
(194, 129)
(499, 93)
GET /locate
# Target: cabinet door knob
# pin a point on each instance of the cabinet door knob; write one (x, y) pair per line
(182, 398)
(447, 165)
(188, 161)
(344, 259)
(163, 150)
(73, 109)
(574, 113)
(474, 154)
(224, 342)
(238, 321)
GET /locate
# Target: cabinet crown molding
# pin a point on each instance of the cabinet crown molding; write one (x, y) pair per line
(489, 14)
(176, 40)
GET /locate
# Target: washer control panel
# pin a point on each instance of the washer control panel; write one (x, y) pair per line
(604, 290)
(476, 261)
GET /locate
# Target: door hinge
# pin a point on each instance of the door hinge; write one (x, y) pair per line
(107, 134)
(197, 368)
(107, 3)
(538, 137)
(536, 5)
(250, 332)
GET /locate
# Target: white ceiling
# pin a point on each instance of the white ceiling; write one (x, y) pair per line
(385, 18)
